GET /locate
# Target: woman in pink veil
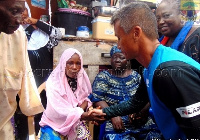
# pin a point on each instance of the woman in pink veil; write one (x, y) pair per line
(67, 90)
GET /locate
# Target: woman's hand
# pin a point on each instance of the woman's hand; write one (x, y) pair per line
(97, 111)
(96, 115)
(138, 119)
(93, 117)
(133, 117)
(29, 20)
(117, 124)
(84, 105)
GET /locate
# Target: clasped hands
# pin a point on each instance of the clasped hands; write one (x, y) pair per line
(99, 118)
(96, 115)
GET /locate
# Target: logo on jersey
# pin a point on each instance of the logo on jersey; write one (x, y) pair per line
(189, 111)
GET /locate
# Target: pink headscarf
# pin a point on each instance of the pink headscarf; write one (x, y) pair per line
(62, 113)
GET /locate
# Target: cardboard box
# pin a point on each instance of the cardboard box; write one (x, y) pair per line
(101, 29)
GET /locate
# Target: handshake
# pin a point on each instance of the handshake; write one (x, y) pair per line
(95, 115)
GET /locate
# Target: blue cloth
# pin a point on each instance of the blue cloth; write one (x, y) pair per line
(163, 116)
(47, 133)
(114, 90)
(161, 38)
(102, 131)
(181, 36)
(114, 50)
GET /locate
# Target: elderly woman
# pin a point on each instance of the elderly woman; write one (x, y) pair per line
(68, 88)
(184, 37)
(115, 86)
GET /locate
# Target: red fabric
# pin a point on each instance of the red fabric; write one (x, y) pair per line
(164, 41)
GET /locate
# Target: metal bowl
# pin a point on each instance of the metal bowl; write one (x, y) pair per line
(103, 11)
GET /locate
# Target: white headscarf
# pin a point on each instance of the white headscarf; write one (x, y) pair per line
(38, 38)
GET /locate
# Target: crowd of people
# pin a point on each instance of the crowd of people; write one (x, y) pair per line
(172, 78)
(114, 86)
(161, 103)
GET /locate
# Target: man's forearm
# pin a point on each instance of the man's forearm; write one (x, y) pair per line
(134, 105)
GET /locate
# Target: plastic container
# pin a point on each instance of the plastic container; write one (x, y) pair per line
(101, 29)
(71, 21)
(83, 31)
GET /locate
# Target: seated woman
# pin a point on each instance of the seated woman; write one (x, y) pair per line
(67, 88)
(115, 86)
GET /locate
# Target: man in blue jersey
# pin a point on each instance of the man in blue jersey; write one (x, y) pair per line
(171, 79)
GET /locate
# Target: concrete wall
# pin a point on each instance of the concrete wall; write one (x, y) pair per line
(92, 58)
